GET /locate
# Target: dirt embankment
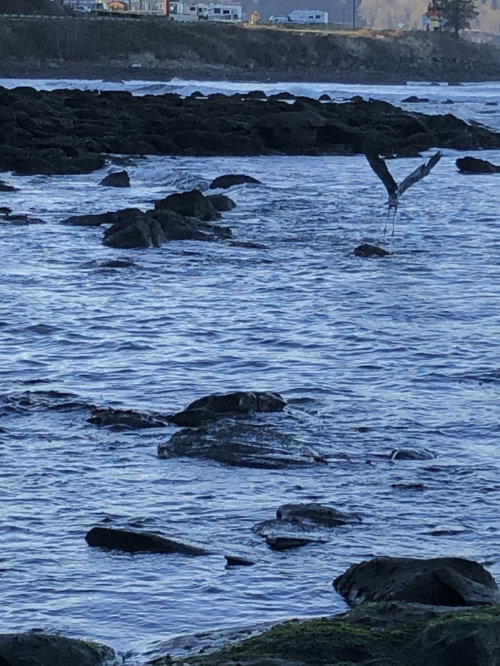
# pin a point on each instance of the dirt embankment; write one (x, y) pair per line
(158, 48)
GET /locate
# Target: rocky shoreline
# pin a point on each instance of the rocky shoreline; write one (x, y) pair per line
(73, 131)
(406, 612)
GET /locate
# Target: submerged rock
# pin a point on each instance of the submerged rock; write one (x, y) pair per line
(289, 542)
(294, 520)
(442, 581)
(138, 542)
(125, 419)
(239, 444)
(7, 188)
(40, 649)
(230, 180)
(220, 405)
(472, 165)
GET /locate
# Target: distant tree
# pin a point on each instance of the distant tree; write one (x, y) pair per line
(458, 13)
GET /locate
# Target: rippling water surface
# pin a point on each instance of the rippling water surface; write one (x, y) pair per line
(371, 355)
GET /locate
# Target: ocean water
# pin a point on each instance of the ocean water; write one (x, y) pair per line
(371, 355)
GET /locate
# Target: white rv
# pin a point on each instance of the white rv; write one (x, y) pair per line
(308, 16)
(216, 12)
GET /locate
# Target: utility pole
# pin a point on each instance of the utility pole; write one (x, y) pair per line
(354, 14)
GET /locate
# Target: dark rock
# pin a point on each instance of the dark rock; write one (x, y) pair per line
(287, 542)
(442, 581)
(153, 228)
(255, 94)
(116, 179)
(6, 188)
(220, 405)
(39, 649)
(367, 250)
(190, 204)
(471, 165)
(293, 520)
(125, 419)
(316, 514)
(294, 132)
(139, 542)
(21, 220)
(102, 218)
(221, 203)
(412, 454)
(118, 263)
(325, 98)
(230, 180)
(236, 561)
(239, 444)
(412, 99)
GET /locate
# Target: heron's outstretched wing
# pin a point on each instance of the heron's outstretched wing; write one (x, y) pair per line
(419, 173)
(380, 168)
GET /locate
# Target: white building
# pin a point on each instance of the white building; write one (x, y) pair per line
(308, 16)
(149, 7)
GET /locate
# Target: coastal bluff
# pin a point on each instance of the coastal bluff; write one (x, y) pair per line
(158, 49)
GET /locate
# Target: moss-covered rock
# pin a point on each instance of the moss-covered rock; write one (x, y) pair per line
(374, 634)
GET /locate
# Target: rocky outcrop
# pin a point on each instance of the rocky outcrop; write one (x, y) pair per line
(116, 179)
(474, 165)
(70, 131)
(220, 405)
(139, 542)
(190, 204)
(239, 444)
(136, 229)
(441, 581)
(42, 649)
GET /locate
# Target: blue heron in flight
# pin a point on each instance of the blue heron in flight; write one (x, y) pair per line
(393, 189)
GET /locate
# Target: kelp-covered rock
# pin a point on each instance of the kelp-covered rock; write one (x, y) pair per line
(374, 634)
(132, 541)
(442, 581)
(40, 649)
(219, 405)
(239, 444)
